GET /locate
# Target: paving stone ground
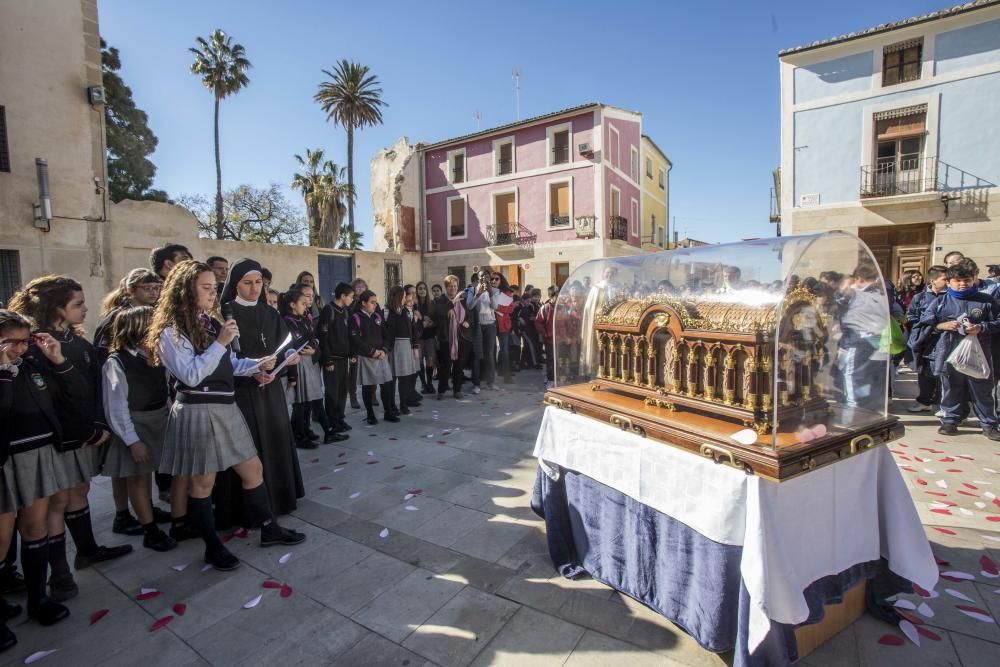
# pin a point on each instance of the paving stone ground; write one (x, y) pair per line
(462, 577)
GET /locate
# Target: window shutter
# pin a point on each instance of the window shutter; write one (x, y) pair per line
(903, 122)
(4, 149)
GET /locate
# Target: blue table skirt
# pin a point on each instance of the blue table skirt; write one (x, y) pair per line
(659, 561)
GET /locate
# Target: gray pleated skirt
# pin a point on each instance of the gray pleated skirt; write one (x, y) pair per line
(79, 466)
(30, 476)
(374, 371)
(205, 438)
(309, 386)
(429, 348)
(403, 361)
(150, 427)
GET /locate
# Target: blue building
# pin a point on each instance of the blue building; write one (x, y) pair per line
(893, 133)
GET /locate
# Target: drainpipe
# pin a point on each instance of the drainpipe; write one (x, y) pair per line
(422, 218)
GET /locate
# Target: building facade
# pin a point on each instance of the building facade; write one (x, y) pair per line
(534, 199)
(655, 195)
(892, 133)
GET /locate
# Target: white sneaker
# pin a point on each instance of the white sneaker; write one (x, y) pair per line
(919, 407)
(475, 390)
(939, 413)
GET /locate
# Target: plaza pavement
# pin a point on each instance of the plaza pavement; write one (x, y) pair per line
(459, 574)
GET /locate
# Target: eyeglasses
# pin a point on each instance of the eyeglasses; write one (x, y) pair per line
(151, 288)
(496, 279)
(14, 342)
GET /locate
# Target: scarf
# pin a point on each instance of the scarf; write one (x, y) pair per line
(964, 293)
(455, 318)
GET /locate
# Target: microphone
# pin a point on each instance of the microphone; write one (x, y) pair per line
(227, 314)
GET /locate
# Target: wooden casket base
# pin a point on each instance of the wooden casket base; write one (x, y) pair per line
(836, 618)
(710, 436)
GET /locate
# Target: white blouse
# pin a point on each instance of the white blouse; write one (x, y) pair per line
(179, 358)
(116, 401)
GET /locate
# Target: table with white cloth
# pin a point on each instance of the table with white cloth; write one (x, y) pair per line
(735, 560)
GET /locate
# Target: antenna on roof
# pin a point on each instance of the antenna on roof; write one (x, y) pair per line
(478, 115)
(516, 75)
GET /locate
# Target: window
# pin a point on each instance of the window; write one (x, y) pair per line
(458, 272)
(661, 179)
(613, 145)
(901, 62)
(560, 147)
(649, 168)
(652, 228)
(456, 218)
(899, 144)
(456, 165)
(559, 197)
(10, 274)
(4, 150)
(504, 219)
(635, 218)
(660, 235)
(393, 274)
(634, 164)
(503, 154)
(560, 273)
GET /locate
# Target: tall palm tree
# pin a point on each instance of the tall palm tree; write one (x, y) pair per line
(326, 194)
(350, 240)
(222, 67)
(352, 99)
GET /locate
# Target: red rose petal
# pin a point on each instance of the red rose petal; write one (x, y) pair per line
(910, 617)
(993, 517)
(947, 459)
(905, 458)
(928, 633)
(241, 533)
(415, 492)
(922, 592)
(271, 583)
(226, 538)
(941, 562)
(325, 488)
(393, 438)
(342, 454)
(148, 596)
(936, 493)
(98, 615)
(907, 468)
(341, 463)
(399, 467)
(966, 457)
(970, 486)
(180, 608)
(944, 530)
(373, 435)
(286, 591)
(896, 451)
(161, 623)
(313, 460)
(974, 610)
(442, 442)
(988, 565)
(942, 511)
(890, 640)
(950, 578)
(371, 463)
(966, 493)
(925, 449)
(921, 482)
(996, 501)
(953, 470)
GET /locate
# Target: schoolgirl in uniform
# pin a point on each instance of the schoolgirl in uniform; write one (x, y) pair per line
(335, 347)
(424, 305)
(38, 389)
(369, 345)
(205, 431)
(307, 394)
(404, 344)
(58, 308)
(135, 404)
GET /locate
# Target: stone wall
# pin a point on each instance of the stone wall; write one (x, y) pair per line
(395, 183)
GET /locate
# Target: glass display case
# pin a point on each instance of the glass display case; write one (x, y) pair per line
(770, 355)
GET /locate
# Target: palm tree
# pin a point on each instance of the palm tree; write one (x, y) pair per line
(350, 240)
(222, 67)
(325, 194)
(353, 100)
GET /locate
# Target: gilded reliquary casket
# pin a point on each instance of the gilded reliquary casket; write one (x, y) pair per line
(775, 376)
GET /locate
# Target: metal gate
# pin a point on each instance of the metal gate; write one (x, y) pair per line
(334, 269)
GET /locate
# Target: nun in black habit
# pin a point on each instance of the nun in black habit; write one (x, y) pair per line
(262, 331)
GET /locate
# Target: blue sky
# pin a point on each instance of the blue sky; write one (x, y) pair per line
(704, 75)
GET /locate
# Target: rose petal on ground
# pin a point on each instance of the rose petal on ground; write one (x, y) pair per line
(965, 512)
(958, 594)
(227, 538)
(411, 508)
(990, 470)
(371, 453)
(941, 483)
(966, 457)
(930, 595)
(341, 455)
(284, 559)
(920, 459)
(976, 613)
(903, 604)
(921, 482)
(180, 608)
(981, 505)
(910, 631)
(313, 460)
(907, 468)
(981, 482)
(384, 534)
(399, 467)
(953, 470)
(937, 493)
(325, 488)
(988, 565)
(38, 655)
(408, 496)
(271, 583)
(941, 511)
(206, 568)
(947, 459)
(161, 623)
(961, 576)
(970, 486)
(286, 591)
(142, 597)
(891, 640)
(909, 617)
(993, 517)
(925, 610)
(354, 495)
(179, 568)
(990, 495)
(415, 492)
(393, 438)
(371, 463)
(98, 615)
(254, 602)
(341, 463)
(943, 530)
(968, 493)
(930, 634)
(929, 471)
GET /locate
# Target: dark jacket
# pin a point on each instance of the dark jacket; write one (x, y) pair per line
(368, 334)
(979, 307)
(401, 325)
(334, 333)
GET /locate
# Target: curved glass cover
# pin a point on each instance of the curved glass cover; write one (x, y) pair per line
(784, 339)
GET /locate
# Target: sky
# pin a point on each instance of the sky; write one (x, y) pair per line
(703, 74)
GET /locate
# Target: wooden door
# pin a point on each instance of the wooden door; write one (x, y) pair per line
(909, 258)
(513, 273)
(560, 273)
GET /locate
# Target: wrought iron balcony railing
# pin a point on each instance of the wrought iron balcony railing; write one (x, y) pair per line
(458, 175)
(558, 220)
(618, 228)
(560, 154)
(505, 166)
(502, 234)
(907, 174)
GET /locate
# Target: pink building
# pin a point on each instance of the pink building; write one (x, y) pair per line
(534, 198)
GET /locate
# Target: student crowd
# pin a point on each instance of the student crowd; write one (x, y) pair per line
(204, 378)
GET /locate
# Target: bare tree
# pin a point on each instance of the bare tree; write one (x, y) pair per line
(262, 215)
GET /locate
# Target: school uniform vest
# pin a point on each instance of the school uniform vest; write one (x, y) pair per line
(367, 333)
(217, 387)
(147, 385)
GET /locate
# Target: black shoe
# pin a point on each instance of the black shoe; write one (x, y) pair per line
(375, 402)
(159, 542)
(458, 396)
(344, 426)
(9, 610)
(948, 429)
(272, 535)
(390, 417)
(11, 581)
(62, 587)
(48, 611)
(414, 402)
(161, 516)
(126, 525)
(403, 410)
(102, 554)
(371, 421)
(354, 403)
(993, 433)
(184, 531)
(334, 436)
(312, 435)
(7, 638)
(306, 444)
(222, 560)
(441, 396)
(427, 390)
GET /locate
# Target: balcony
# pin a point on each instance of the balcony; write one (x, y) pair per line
(458, 175)
(905, 175)
(560, 155)
(505, 167)
(559, 221)
(618, 228)
(502, 234)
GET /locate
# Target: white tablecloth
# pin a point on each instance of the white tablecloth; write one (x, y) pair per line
(792, 533)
